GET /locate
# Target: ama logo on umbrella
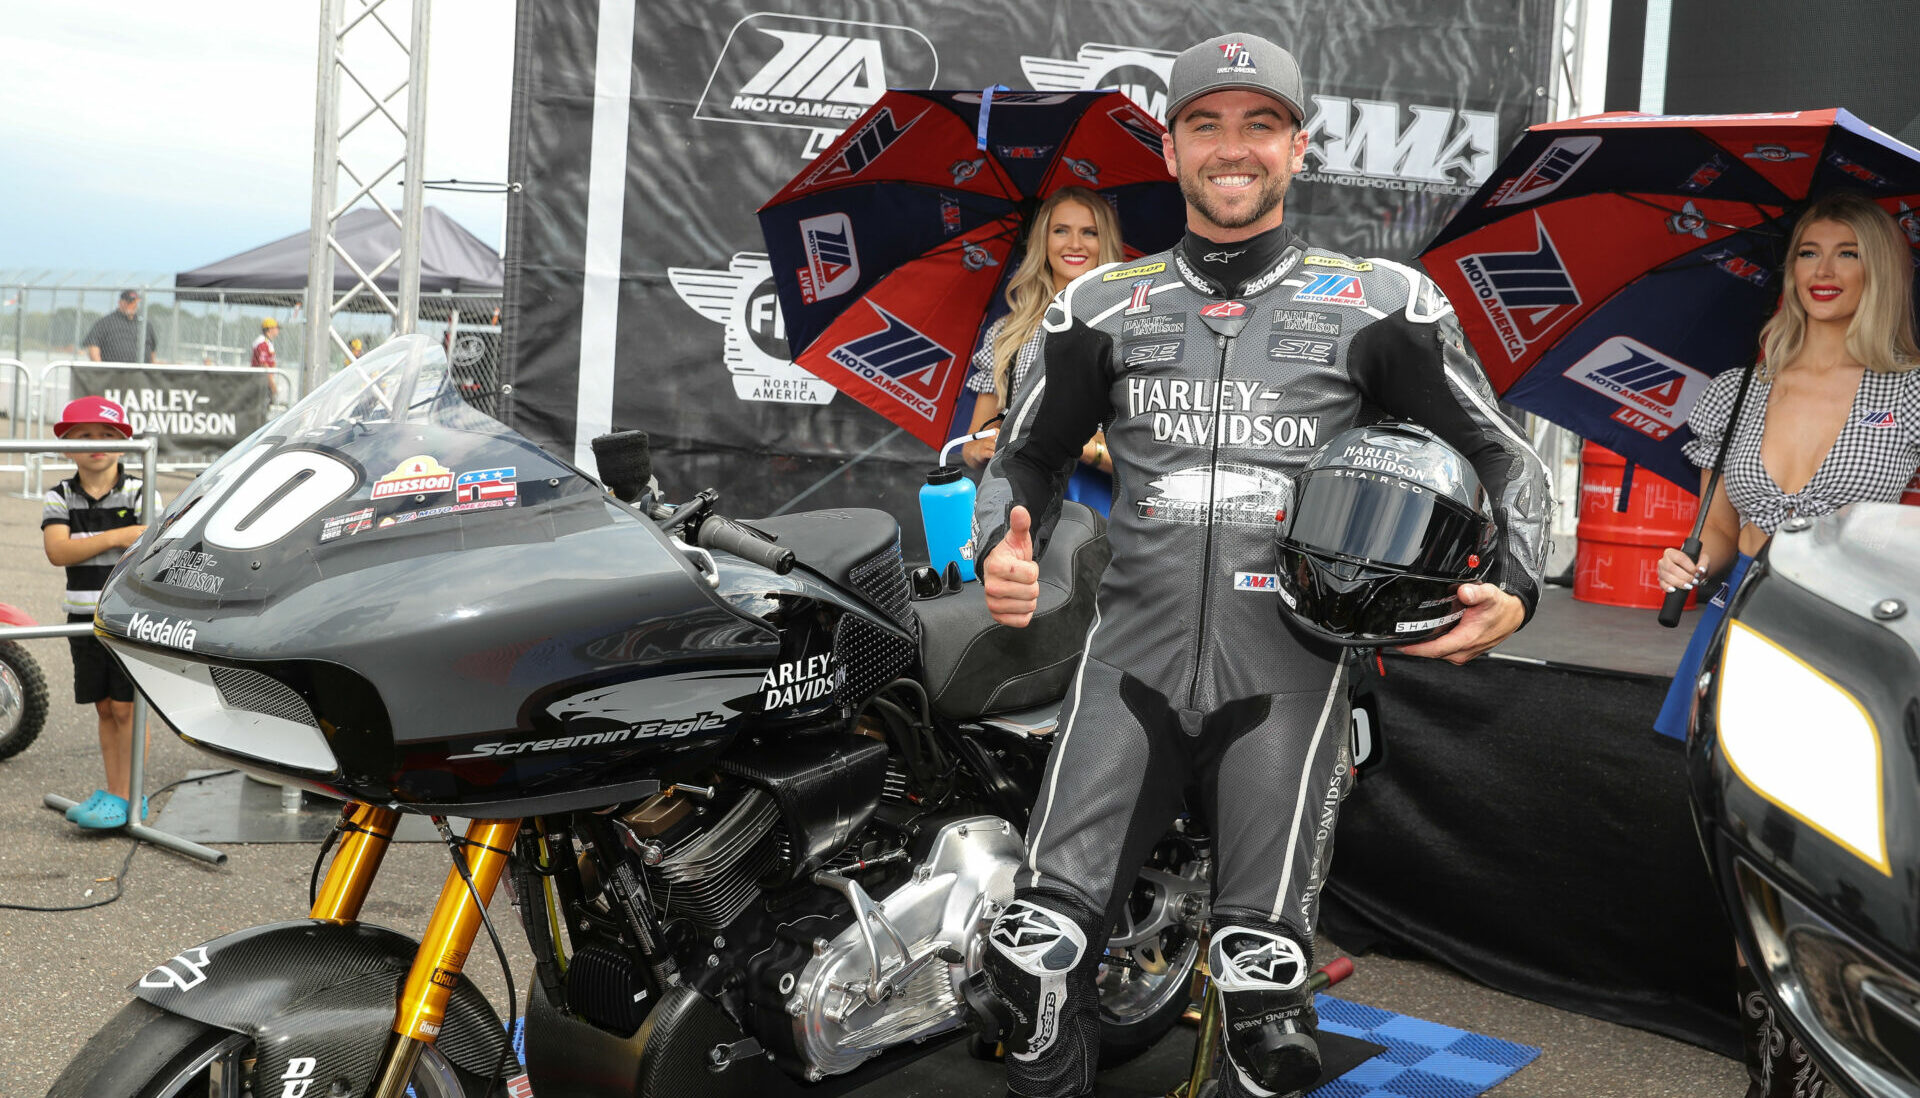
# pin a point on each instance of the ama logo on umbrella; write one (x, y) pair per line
(1525, 294)
(900, 361)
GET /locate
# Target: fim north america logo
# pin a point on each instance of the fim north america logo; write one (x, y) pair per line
(742, 300)
(816, 75)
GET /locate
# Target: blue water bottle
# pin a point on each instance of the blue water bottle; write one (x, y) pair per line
(946, 513)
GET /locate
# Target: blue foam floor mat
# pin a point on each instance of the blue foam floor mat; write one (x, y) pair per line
(1422, 1059)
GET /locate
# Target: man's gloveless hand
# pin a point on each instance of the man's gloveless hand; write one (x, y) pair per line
(1011, 576)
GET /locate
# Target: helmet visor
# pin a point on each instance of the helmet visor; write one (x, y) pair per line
(1382, 520)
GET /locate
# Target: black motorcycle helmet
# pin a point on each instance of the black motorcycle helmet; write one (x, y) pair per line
(1387, 522)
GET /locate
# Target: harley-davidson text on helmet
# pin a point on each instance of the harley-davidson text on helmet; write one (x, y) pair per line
(1387, 522)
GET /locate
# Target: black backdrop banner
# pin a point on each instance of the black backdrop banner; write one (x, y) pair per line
(644, 136)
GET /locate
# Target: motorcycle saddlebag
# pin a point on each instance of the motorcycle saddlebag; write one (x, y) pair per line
(975, 667)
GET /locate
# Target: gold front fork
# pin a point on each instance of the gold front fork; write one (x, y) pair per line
(369, 831)
(443, 952)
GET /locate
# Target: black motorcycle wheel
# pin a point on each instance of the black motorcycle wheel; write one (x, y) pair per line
(1147, 982)
(144, 1052)
(23, 699)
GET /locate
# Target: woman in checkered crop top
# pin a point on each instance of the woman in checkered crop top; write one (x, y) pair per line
(1833, 414)
(1832, 418)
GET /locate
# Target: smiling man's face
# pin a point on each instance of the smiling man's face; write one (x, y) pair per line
(1234, 153)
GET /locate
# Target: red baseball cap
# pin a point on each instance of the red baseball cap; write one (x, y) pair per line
(93, 410)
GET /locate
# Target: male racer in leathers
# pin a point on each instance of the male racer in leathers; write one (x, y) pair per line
(1217, 368)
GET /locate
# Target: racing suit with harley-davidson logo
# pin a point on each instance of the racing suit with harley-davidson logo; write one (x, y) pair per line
(1211, 396)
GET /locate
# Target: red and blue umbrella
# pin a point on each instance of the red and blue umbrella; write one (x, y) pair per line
(1613, 264)
(891, 250)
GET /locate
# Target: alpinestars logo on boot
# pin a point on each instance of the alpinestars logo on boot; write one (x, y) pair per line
(1037, 940)
(1245, 959)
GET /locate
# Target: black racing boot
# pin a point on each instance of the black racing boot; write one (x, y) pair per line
(1266, 1010)
(1039, 966)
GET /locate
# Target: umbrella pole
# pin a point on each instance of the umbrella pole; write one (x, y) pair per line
(1677, 598)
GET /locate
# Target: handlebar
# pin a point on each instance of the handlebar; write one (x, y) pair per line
(722, 534)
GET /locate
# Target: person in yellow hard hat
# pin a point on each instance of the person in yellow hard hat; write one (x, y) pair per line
(263, 347)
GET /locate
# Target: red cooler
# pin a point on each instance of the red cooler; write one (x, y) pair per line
(1618, 555)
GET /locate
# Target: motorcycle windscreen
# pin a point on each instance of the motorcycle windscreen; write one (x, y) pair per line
(383, 453)
(482, 592)
(1382, 519)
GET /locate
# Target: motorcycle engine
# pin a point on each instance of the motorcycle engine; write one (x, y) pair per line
(900, 973)
(832, 974)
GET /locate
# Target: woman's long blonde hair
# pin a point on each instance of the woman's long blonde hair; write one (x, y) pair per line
(1031, 289)
(1880, 336)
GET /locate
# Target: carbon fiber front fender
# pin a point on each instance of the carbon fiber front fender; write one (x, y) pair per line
(307, 988)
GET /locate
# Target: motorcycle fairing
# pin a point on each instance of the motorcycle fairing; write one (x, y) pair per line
(1831, 934)
(309, 988)
(295, 553)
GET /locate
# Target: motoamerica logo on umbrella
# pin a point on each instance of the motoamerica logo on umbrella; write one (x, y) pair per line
(1655, 392)
(833, 264)
(1553, 167)
(812, 74)
(1525, 294)
(900, 361)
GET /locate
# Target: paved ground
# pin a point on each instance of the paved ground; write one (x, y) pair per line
(67, 973)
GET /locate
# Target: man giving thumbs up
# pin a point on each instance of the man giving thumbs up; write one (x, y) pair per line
(1012, 577)
(1190, 361)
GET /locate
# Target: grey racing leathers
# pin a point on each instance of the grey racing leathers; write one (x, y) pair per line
(1191, 676)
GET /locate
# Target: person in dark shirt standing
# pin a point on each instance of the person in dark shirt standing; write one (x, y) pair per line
(116, 337)
(90, 519)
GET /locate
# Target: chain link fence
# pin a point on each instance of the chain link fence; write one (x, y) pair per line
(48, 319)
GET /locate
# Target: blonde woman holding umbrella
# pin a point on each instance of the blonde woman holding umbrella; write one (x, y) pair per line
(1831, 417)
(1074, 231)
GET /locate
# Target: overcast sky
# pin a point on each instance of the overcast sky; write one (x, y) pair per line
(160, 137)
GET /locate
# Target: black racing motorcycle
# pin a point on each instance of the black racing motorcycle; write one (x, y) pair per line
(755, 798)
(1804, 767)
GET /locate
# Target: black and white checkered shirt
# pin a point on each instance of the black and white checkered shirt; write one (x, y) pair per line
(67, 504)
(1873, 458)
(981, 379)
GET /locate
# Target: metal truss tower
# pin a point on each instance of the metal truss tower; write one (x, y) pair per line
(360, 50)
(1580, 57)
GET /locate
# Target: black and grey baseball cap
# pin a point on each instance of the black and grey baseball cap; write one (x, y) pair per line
(1234, 61)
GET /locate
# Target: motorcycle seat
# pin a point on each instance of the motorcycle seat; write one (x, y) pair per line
(840, 545)
(975, 666)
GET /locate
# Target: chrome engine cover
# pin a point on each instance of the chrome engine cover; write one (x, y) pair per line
(947, 905)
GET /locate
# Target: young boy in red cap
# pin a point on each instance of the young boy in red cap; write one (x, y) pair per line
(89, 521)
